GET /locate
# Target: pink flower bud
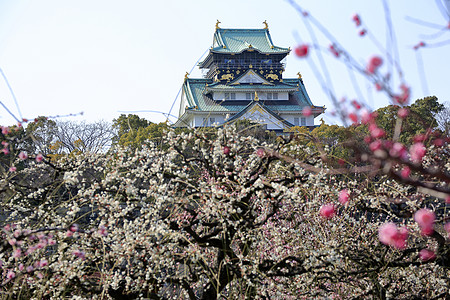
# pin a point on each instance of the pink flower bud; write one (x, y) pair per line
(74, 228)
(357, 20)
(334, 51)
(327, 211)
(302, 50)
(353, 117)
(374, 63)
(406, 171)
(12, 169)
(362, 32)
(426, 255)
(378, 86)
(226, 150)
(356, 104)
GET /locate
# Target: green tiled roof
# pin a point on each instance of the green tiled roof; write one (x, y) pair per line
(238, 40)
(197, 100)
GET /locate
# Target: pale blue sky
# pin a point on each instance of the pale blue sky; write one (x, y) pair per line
(106, 56)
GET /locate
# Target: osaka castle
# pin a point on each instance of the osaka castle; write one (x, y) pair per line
(244, 81)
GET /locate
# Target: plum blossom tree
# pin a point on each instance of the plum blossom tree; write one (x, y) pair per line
(214, 216)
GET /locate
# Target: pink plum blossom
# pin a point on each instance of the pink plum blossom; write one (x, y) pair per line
(260, 152)
(344, 196)
(74, 228)
(23, 155)
(79, 254)
(102, 231)
(425, 218)
(426, 254)
(392, 236)
(43, 263)
(39, 157)
(17, 253)
(375, 131)
(12, 169)
(327, 211)
(417, 152)
(10, 275)
(226, 150)
(5, 130)
(398, 150)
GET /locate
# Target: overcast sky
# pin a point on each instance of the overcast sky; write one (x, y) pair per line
(102, 57)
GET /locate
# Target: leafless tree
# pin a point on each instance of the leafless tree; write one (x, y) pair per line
(443, 119)
(86, 137)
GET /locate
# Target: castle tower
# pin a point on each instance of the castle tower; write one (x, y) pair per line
(244, 80)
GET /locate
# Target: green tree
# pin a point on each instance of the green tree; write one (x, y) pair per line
(125, 124)
(422, 117)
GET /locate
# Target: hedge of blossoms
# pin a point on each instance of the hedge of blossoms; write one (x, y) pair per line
(220, 215)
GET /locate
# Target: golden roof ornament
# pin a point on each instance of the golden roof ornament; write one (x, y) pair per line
(299, 75)
(186, 75)
(266, 26)
(217, 24)
(256, 96)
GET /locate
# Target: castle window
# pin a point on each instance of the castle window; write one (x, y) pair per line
(230, 96)
(212, 121)
(296, 122)
(303, 121)
(248, 96)
(272, 96)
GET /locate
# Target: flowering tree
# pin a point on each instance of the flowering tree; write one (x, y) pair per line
(216, 214)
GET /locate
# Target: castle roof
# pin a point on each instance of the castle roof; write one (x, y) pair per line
(238, 40)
